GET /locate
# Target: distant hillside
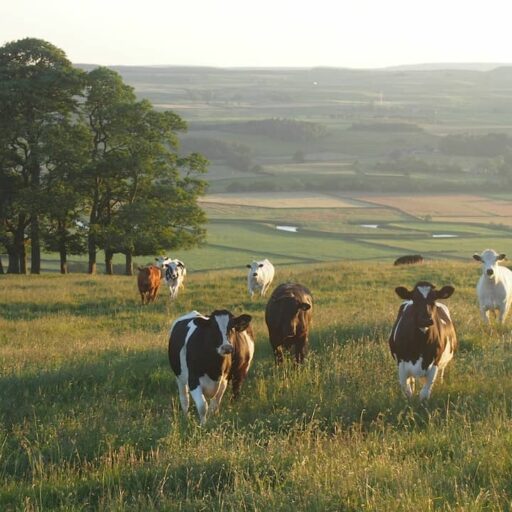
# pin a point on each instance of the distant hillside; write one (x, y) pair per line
(439, 66)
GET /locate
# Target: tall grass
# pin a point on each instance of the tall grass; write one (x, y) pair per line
(90, 419)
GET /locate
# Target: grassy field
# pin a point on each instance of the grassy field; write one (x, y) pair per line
(90, 415)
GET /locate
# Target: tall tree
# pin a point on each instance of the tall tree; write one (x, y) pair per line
(38, 89)
(63, 228)
(136, 182)
(107, 100)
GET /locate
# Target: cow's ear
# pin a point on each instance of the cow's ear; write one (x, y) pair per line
(445, 292)
(181, 264)
(201, 321)
(403, 292)
(304, 306)
(240, 323)
(248, 266)
(477, 257)
(501, 257)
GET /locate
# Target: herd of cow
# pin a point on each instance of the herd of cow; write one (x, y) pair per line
(208, 352)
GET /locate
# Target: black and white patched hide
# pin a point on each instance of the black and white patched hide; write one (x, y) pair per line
(206, 352)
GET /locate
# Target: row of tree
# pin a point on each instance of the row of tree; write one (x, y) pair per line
(85, 167)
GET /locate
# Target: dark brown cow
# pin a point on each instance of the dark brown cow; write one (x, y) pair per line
(206, 353)
(288, 318)
(423, 338)
(409, 259)
(148, 281)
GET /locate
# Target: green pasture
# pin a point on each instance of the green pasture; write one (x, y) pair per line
(90, 416)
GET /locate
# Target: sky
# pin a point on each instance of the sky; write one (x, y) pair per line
(266, 33)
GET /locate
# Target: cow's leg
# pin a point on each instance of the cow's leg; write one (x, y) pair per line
(431, 378)
(184, 399)
(300, 350)
(278, 354)
(217, 399)
(238, 378)
(201, 404)
(484, 313)
(404, 379)
(441, 374)
(504, 309)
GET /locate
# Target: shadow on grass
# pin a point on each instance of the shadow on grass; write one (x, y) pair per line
(98, 307)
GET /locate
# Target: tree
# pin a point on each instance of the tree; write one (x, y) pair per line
(142, 196)
(63, 228)
(38, 89)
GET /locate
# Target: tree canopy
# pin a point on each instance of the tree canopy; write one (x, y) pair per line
(86, 166)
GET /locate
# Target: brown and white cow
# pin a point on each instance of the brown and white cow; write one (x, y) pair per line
(423, 338)
(206, 353)
(148, 282)
(288, 317)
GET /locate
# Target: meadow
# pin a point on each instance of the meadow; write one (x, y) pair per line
(90, 418)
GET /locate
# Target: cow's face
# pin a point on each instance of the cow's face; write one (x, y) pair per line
(173, 268)
(489, 259)
(162, 261)
(289, 317)
(222, 327)
(254, 268)
(422, 300)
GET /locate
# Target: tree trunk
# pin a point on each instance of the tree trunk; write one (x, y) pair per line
(13, 259)
(91, 244)
(129, 264)
(22, 254)
(1, 266)
(63, 260)
(35, 248)
(109, 267)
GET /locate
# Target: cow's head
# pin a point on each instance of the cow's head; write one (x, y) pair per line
(489, 259)
(254, 268)
(422, 301)
(289, 314)
(222, 327)
(161, 261)
(173, 268)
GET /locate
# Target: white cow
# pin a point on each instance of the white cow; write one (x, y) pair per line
(260, 276)
(174, 273)
(494, 288)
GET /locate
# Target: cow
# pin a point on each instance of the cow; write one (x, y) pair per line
(148, 282)
(174, 272)
(423, 338)
(494, 288)
(260, 276)
(288, 317)
(205, 353)
(409, 259)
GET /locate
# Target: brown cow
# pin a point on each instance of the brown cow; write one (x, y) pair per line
(288, 318)
(423, 338)
(409, 259)
(148, 281)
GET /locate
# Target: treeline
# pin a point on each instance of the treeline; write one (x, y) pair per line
(488, 145)
(288, 130)
(237, 156)
(85, 167)
(386, 127)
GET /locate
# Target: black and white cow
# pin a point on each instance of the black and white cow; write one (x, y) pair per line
(174, 272)
(423, 338)
(206, 353)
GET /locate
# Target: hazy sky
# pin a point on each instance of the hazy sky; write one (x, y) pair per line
(340, 33)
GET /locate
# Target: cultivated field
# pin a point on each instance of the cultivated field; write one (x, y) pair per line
(90, 415)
